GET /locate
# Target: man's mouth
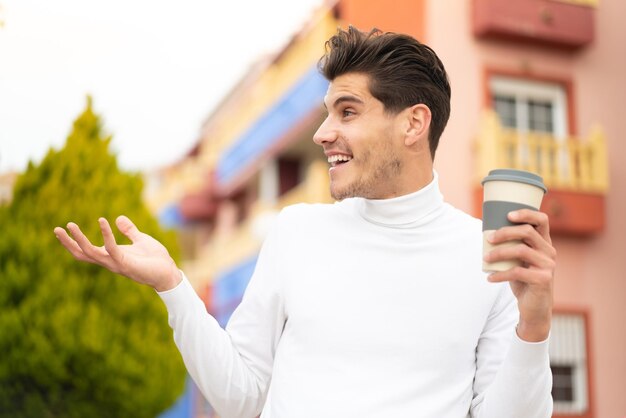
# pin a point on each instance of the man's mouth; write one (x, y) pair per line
(337, 159)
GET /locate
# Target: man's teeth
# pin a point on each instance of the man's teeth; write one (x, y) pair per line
(337, 158)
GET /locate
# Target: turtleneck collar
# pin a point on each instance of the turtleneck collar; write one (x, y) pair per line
(403, 210)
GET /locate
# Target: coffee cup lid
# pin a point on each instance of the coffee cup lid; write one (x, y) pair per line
(519, 176)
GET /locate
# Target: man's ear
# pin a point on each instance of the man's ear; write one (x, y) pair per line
(419, 117)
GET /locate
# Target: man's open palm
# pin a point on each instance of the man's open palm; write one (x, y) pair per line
(145, 261)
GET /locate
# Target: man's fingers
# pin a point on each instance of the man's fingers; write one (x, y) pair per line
(70, 245)
(127, 227)
(96, 254)
(522, 252)
(533, 250)
(110, 245)
(526, 233)
(538, 220)
(535, 277)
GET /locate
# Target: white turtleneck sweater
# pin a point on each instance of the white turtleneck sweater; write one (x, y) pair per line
(366, 308)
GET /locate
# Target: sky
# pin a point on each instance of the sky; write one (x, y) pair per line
(155, 69)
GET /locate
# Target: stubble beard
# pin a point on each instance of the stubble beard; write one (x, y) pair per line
(377, 176)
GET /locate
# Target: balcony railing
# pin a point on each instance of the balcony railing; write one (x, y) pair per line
(225, 250)
(564, 24)
(572, 164)
(313, 190)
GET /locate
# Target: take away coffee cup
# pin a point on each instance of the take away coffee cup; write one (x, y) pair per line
(506, 190)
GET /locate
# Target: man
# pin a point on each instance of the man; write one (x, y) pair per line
(375, 306)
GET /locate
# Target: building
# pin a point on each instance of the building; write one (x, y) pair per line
(537, 84)
(7, 181)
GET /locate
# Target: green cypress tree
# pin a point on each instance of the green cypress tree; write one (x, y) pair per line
(75, 339)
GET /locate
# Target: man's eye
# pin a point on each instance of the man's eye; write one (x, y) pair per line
(347, 112)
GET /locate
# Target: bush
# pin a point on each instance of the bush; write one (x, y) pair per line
(75, 339)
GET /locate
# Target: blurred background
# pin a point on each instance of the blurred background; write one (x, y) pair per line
(216, 144)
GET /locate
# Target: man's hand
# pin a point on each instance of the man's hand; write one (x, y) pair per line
(533, 282)
(146, 261)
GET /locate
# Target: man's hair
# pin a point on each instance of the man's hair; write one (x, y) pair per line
(402, 72)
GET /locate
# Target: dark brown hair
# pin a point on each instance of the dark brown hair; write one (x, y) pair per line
(402, 72)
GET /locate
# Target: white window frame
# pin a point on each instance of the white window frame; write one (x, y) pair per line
(524, 90)
(568, 347)
(268, 183)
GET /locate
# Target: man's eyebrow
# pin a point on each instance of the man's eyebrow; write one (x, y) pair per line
(346, 98)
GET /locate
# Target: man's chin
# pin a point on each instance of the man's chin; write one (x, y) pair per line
(337, 192)
(339, 197)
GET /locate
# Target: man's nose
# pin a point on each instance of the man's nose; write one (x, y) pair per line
(325, 133)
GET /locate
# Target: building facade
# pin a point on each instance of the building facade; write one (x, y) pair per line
(7, 181)
(536, 85)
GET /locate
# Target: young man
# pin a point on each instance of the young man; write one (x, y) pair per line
(375, 306)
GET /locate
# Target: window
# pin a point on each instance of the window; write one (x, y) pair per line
(568, 361)
(562, 383)
(268, 183)
(278, 176)
(289, 174)
(528, 105)
(536, 114)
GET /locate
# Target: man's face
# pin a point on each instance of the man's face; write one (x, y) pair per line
(362, 142)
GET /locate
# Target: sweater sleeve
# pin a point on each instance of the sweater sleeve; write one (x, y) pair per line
(232, 367)
(513, 377)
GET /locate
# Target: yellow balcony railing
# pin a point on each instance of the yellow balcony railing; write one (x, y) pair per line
(591, 3)
(225, 250)
(574, 164)
(221, 253)
(313, 190)
(300, 55)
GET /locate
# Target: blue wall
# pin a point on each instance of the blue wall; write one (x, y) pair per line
(307, 94)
